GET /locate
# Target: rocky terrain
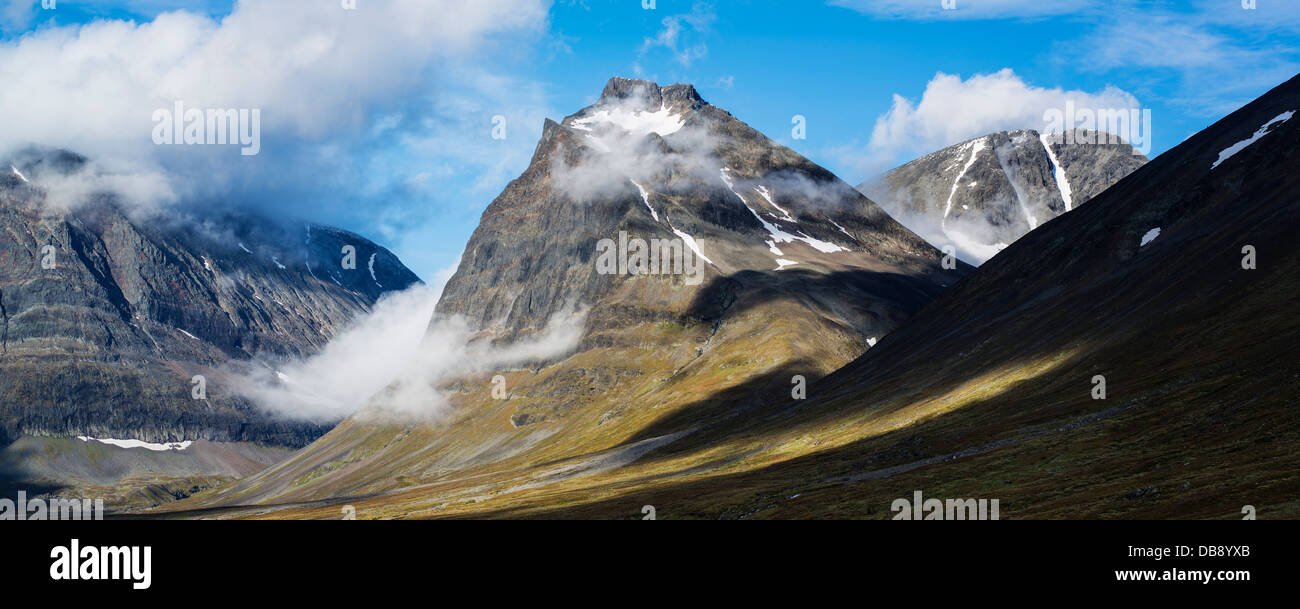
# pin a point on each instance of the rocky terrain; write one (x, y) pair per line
(983, 194)
(107, 316)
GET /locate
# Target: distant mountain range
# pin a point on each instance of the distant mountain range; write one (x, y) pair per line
(982, 194)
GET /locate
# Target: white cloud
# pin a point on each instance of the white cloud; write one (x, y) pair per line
(614, 157)
(357, 363)
(967, 9)
(393, 362)
(676, 32)
(952, 110)
(1210, 62)
(317, 72)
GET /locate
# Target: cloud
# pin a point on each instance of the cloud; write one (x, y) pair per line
(435, 164)
(968, 9)
(1210, 61)
(64, 191)
(20, 14)
(358, 362)
(623, 148)
(1264, 16)
(952, 110)
(675, 33)
(1208, 57)
(319, 74)
(973, 239)
(393, 363)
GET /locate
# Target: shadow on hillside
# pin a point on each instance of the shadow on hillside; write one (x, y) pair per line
(12, 476)
(761, 395)
(730, 403)
(721, 296)
(1027, 411)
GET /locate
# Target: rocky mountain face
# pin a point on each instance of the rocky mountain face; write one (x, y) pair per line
(797, 274)
(983, 194)
(662, 162)
(106, 318)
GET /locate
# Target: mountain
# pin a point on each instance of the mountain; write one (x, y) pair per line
(662, 162)
(799, 273)
(1176, 286)
(982, 194)
(107, 316)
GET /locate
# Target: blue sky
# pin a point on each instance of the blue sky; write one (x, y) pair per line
(383, 125)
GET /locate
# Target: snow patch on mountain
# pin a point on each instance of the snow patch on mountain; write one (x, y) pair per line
(767, 194)
(690, 242)
(1232, 150)
(976, 146)
(837, 225)
(645, 196)
(1149, 236)
(371, 264)
(19, 174)
(154, 446)
(779, 235)
(662, 121)
(1058, 172)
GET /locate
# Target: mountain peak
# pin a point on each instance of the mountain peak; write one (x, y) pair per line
(624, 89)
